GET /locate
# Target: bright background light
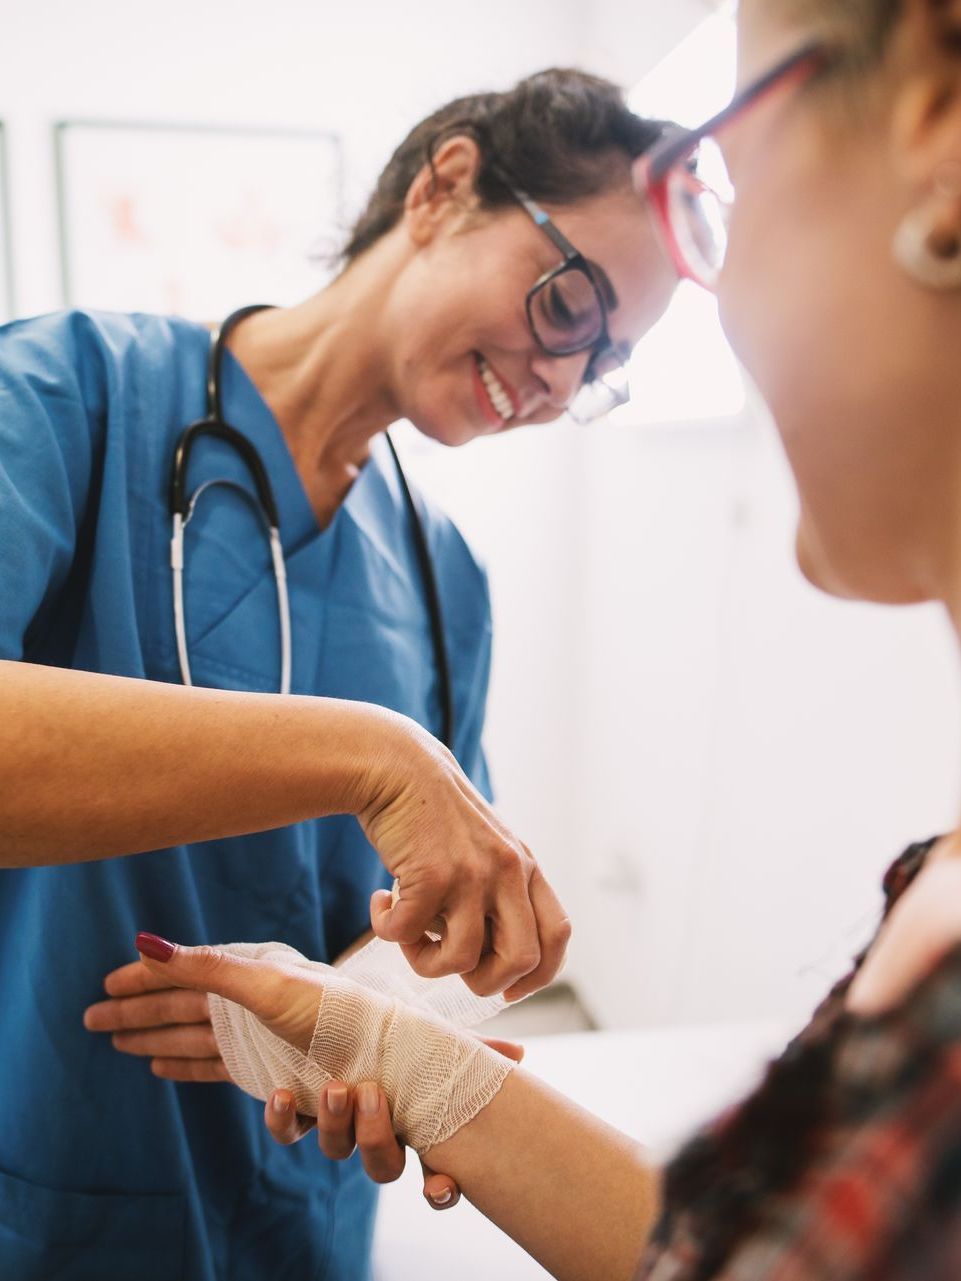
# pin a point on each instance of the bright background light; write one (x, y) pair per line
(684, 369)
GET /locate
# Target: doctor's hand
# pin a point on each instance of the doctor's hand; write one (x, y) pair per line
(148, 1018)
(504, 928)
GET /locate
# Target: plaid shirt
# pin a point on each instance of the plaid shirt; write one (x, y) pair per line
(877, 1194)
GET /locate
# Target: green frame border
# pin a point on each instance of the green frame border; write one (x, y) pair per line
(6, 229)
(60, 134)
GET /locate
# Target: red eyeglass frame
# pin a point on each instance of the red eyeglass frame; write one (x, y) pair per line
(652, 171)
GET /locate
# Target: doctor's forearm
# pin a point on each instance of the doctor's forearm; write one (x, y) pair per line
(578, 1195)
(95, 766)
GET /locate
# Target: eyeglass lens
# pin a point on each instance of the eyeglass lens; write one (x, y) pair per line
(566, 313)
(700, 199)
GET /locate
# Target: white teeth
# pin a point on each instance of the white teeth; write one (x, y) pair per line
(495, 389)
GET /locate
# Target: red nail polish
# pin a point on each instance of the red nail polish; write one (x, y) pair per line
(155, 947)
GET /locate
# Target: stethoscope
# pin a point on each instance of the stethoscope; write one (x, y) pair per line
(183, 505)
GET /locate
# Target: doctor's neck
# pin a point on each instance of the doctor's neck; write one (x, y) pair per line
(321, 367)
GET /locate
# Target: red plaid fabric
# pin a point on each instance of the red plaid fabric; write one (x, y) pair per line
(845, 1165)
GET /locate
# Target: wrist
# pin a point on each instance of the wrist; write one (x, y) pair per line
(399, 755)
(357, 748)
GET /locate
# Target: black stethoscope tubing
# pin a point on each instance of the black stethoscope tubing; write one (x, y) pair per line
(181, 505)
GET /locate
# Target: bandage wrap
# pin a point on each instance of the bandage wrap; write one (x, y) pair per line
(436, 1078)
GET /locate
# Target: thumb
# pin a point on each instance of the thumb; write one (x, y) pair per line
(244, 980)
(509, 1049)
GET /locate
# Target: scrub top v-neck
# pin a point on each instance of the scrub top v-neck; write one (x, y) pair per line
(107, 1172)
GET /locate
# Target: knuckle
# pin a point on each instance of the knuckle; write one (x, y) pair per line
(508, 857)
(527, 960)
(430, 876)
(208, 958)
(462, 958)
(559, 934)
(425, 962)
(473, 876)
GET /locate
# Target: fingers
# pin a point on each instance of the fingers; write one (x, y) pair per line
(162, 1008)
(455, 859)
(554, 934)
(515, 949)
(409, 918)
(285, 1123)
(359, 1117)
(198, 1070)
(132, 980)
(440, 1190)
(335, 1121)
(504, 928)
(248, 982)
(382, 1155)
(192, 1041)
(460, 946)
(509, 1049)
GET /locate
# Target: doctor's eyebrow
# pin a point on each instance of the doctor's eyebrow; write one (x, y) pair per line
(611, 300)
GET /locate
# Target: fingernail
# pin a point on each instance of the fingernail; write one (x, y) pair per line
(442, 1198)
(337, 1101)
(280, 1104)
(368, 1098)
(155, 947)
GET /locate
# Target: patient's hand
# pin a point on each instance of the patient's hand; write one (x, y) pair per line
(149, 1018)
(359, 1117)
(170, 1026)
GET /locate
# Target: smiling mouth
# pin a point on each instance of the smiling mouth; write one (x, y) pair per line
(496, 393)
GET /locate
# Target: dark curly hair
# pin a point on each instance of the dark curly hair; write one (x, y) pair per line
(561, 134)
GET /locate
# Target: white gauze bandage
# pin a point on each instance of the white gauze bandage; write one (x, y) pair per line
(376, 1021)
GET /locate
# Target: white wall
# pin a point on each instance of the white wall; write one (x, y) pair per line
(716, 762)
(712, 762)
(367, 71)
(757, 752)
(624, 39)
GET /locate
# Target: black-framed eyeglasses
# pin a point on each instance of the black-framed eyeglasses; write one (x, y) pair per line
(567, 314)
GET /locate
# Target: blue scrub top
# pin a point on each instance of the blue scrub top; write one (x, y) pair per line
(106, 1172)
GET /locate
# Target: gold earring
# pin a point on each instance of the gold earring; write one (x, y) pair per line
(927, 244)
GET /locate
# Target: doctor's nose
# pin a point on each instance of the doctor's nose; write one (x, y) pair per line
(561, 377)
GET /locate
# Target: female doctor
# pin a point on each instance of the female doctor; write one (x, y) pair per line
(144, 679)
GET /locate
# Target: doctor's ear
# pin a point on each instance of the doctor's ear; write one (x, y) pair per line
(444, 190)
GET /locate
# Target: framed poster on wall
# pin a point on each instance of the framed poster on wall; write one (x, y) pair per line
(192, 220)
(6, 247)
